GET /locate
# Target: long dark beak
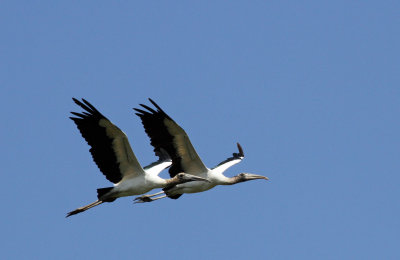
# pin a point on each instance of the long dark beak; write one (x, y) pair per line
(190, 177)
(250, 176)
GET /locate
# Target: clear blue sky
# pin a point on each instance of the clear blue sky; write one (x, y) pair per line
(311, 89)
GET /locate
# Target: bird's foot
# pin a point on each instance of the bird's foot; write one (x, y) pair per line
(143, 199)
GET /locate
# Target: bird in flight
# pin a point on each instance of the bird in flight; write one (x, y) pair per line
(111, 151)
(166, 135)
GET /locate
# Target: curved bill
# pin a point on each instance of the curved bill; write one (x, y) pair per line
(250, 176)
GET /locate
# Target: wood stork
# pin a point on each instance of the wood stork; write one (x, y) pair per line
(113, 155)
(166, 134)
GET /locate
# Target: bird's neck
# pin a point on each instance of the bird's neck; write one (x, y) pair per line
(171, 182)
(228, 180)
(159, 182)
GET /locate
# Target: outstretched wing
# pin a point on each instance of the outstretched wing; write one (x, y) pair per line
(156, 167)
(166, 134)
(229, 162)
(110, 147)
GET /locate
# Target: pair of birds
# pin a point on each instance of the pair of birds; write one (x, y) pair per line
(113, 155)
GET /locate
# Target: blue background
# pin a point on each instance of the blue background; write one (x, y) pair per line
(309, 88)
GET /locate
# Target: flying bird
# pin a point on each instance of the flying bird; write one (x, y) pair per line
(113, 155)
(166, 135)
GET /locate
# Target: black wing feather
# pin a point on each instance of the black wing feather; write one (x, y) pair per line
(160, 138)
(235, 156)
(95, 135)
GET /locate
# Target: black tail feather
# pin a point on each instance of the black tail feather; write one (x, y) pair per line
(175, 196)
(102, 191)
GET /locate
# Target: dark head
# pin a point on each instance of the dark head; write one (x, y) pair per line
(242, 177)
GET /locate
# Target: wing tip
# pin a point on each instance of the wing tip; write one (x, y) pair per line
(241, 153)
(157, 106)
